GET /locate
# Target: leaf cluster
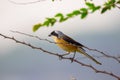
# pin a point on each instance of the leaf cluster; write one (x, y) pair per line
(109, 5)
(82, 12)
(92, 7)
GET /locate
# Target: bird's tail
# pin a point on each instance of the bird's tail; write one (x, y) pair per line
(87, 55)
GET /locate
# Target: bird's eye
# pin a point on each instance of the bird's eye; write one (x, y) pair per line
(53, 33)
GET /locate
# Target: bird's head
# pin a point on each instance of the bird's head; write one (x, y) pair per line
(56, 33)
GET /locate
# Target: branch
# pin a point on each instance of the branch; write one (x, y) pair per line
(29, 35)
(26, 3)
(104, 54)
(18, 3)
(98, 71)
(28, 44)
(62, 57)
(117, 6)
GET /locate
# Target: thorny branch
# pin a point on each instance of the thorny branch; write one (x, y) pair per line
(62, 57)
(37, 37)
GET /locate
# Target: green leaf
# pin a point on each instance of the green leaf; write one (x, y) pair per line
(49, 22)
(36, 27)
(70, 15)
(63, 19)
(46, 23)
(83, 15)
(76, 12)
(84, 12)
(108, 5)
(104, 10)
(59, 15)
(90, 5)
(96, 8)
(52, 21)
(111, 1)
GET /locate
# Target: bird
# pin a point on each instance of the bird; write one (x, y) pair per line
(69, 45)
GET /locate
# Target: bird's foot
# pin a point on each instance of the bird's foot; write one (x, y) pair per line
(72, 59)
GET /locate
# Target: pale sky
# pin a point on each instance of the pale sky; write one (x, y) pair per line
(96, 31)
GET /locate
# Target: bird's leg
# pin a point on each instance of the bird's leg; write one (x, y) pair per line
(73, 57)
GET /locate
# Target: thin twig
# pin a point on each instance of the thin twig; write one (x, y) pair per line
(25, 3)
(117, 6)
(29, 35)
(106, 55)
(62, 57)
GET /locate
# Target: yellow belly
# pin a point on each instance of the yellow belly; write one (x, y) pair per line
(65, 46)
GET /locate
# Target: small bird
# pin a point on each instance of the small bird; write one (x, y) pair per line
(69, 45)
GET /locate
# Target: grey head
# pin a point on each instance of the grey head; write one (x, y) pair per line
(56, 33)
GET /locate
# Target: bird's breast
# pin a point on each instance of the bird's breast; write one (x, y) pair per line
(65, 45)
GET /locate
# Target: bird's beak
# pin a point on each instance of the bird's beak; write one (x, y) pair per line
(49, 35)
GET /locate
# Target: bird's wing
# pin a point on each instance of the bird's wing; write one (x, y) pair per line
(72, 41)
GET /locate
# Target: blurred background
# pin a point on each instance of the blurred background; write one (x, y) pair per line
(19, 62)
